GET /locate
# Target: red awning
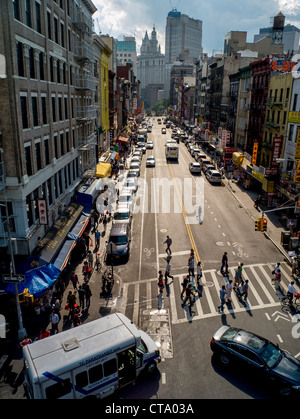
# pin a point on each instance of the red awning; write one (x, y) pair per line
(123, 140)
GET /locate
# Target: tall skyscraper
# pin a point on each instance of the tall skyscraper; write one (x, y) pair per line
(126, 52)
(183, 39)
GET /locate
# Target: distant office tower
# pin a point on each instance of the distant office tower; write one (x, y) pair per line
(126, 52)
(182, 33)
(183, 41)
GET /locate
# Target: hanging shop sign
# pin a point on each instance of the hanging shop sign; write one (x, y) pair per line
(42, 209)
(254, 154)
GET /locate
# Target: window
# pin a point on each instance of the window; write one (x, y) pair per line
(29, 211)
(41, 66)
(81, 379)
(110, 367)
(62, 144)
(58, 71)
(60, 116)
(49, 25)
(55, 30)
(60, 389)
(51, 62)
(34, 111)
(281, 95)
(62, 34)
(295, 103)
(28, 12)
(46, 152)
(16, 9)
(31, 63)
(38, 156)
(24, 114)
(56, 146)
(53, 109)
(66, 108)
(96, 374)
(28, 160)
(20, 59)
(38, 17)
(44, 110)
(291, 132)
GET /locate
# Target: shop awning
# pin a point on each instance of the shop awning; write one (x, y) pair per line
(50, 245)
(64, 255)
(79, 228)
(103, 170)
(37, 281)
(123, 140)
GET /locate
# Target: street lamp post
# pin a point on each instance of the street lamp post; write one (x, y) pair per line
(22, 331)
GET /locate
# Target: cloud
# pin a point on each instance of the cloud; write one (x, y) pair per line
(134, 17)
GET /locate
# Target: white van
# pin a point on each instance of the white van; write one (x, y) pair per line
(172, 151)
(91, 360)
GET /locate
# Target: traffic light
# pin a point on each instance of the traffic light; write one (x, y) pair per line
(258, 224)
(264, 224)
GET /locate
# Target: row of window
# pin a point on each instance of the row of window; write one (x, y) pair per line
(51, 190)
(40, 110)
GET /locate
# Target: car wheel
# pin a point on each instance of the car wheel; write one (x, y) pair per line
(150, 367)
(285, 391)
(224, 358)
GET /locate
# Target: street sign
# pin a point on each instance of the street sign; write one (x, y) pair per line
(14, 278)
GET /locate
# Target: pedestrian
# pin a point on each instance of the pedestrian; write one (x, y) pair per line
(90, 260)
(168, 272)
(160, 282)
(224, 264)
(191, 266)
(97, 239)
(184, 286)
(97, 262)
(71, 300)
(228, 289)
(85, 271)
(188, 295)
(25, 341)
(54, 320)
(276, 267)
(277, 280)
(74, 279)
(44, 333)
(76, 317)
(168, 242)
(88, 295)
(291, 291)
(222, 299)
(199, 273)
(81, 296)
(245, 289)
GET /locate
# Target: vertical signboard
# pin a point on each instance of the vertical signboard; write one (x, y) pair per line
(42, 208)
(277, 141)
(254, 154)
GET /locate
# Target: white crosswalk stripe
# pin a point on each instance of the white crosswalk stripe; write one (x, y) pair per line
(144, 294)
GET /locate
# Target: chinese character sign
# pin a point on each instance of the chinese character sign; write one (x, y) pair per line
(254, 154)
(277, 141)
(42, 207)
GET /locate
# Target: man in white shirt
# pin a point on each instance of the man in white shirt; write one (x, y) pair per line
(291, 291)
(54, 319)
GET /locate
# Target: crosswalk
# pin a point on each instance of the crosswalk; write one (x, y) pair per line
(144, 295)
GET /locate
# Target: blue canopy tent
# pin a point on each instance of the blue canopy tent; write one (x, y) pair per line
(37, 280)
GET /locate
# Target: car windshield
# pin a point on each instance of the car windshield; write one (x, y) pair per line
(118, 240)
(271, 355)
(121, 215)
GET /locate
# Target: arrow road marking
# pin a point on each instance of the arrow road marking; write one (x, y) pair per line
(280, 316)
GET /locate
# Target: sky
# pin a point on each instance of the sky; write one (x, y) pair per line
(133, 17)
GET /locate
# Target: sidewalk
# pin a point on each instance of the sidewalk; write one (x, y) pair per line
(246, 200)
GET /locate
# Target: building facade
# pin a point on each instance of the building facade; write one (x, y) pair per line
(126, 52)
(47, 113)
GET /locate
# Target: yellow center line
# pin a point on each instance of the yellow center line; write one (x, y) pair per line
(188, 227)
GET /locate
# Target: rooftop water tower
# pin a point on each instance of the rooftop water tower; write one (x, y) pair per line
(278, 27)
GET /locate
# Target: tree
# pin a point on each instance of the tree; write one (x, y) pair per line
(161, 106)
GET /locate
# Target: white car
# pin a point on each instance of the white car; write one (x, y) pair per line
(149, 145)
(122, 215)
(126, 200)
(141, 147)
(214, 176)
(194, 151)
(136, 159)
(150, 162)
(135, 167)
(131, 184)
(195, 167)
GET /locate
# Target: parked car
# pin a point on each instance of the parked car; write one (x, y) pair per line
(207, 167)
(122, 215)
(200, 156)
(214, 176)
(132, 174)
(126, 199)
(131, 184)
(150, 162)
(120, 237)
(163, 131)
(149, 145)
(136, 159)
(254, 353)
(204, 162)
(194, 151)
(141, 147)
(195, 168)
(135, 167)
(137, 153)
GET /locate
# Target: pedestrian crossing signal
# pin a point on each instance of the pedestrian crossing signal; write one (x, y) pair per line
(258, 224)
(264, 224)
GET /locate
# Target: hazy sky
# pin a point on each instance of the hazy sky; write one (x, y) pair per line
(133, 18)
